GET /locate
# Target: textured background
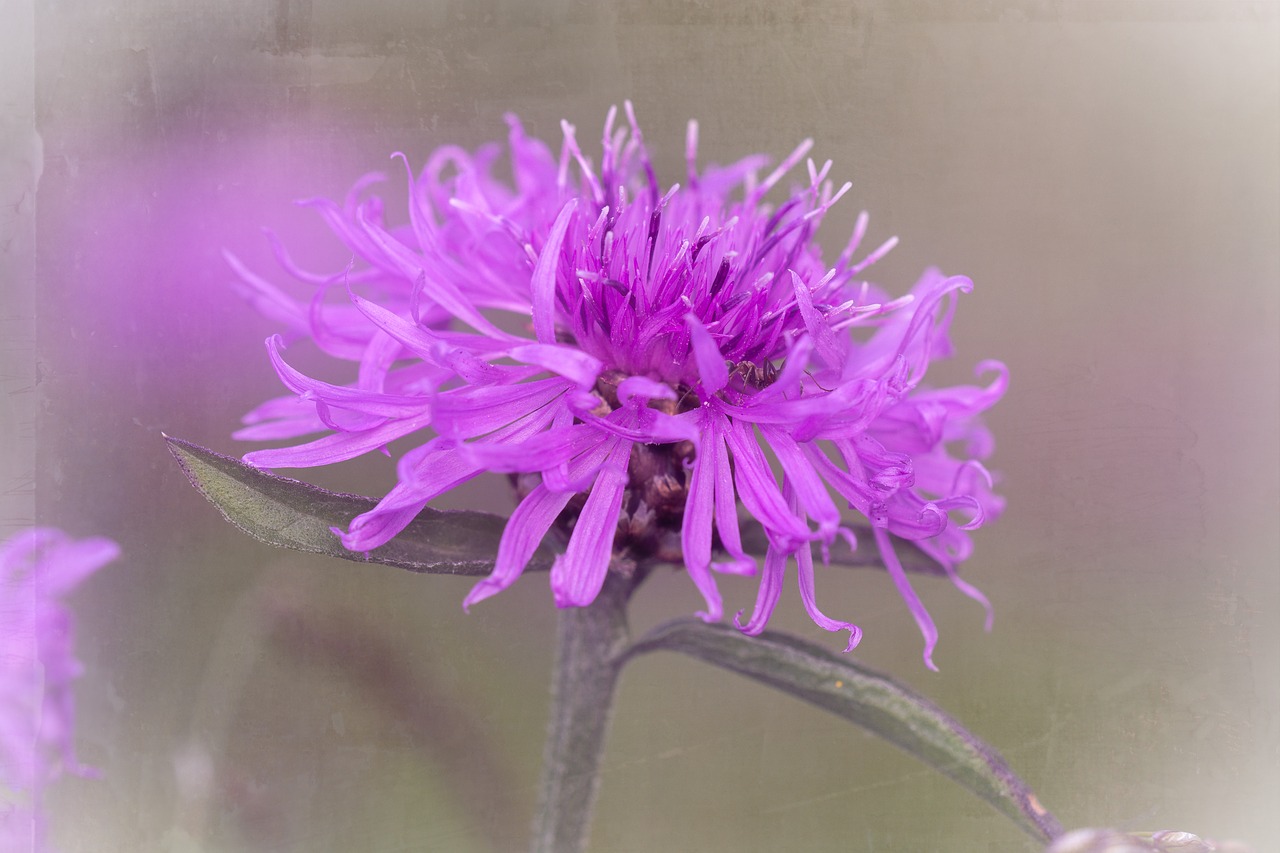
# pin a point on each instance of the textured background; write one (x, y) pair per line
(1106, 172)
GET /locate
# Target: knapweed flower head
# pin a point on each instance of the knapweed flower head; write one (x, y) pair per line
(632, 354)
(37, 668)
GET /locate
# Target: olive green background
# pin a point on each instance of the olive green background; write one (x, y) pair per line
(1106, 172)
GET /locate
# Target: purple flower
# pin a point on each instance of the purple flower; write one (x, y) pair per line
(37, 668)
(626, 354)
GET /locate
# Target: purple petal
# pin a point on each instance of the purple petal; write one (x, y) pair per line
(946, 561)
(726, 503)
(644, 388)
(521, 537)
(420, 215)
(543, 284)
(824, 339)
(770, 590)
(337, 447)
(808, 595)
(711, 365)
(421, 342)
(475, 410)
(268, 299)
(804, 564)
(573, 364)
(914, 604)
(758, 490)
(643, 425)
(801, 476)
(545, 450)
(413, 267)
(367, 402)
(578, 573)
(785, 166)
(379, 525)
(695, 534)
(379, 355)
(281, 417)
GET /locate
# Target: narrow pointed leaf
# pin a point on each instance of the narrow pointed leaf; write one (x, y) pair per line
(867, 556)
(874, 701)
(291, 514)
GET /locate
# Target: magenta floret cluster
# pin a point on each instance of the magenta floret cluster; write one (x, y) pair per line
(38, 567)
(644, 361)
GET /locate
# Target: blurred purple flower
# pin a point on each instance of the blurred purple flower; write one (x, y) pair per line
(37, 667)
(661, 341)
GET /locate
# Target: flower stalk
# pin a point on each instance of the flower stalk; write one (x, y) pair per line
(589, 645)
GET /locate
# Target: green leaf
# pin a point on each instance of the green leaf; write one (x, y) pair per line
(291, 514)
(863, 696)
(755, 542)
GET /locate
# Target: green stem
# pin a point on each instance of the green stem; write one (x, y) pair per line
(589, 643)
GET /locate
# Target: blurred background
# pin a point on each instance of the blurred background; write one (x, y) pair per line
(1106, 172)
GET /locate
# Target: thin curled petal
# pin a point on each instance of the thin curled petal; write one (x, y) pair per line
(918, 611)
(767, 595)
(338, 447)
(521, 537)
(367, 402)
(808, 595)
